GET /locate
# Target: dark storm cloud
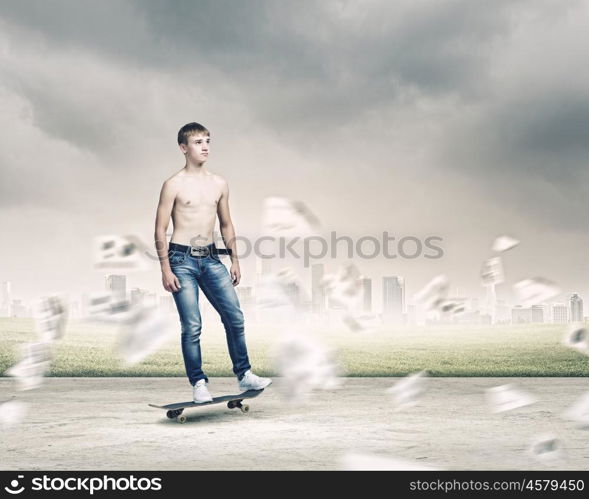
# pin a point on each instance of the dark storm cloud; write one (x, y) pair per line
(311, 68)
(338, 55)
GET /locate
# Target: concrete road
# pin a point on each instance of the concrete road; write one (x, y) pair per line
(105, 423)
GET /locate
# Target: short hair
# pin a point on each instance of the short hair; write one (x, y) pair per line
(191, 129)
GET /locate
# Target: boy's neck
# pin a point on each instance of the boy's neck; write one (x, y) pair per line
(195, 168)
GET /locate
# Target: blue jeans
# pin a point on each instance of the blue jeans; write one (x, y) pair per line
(211, 275)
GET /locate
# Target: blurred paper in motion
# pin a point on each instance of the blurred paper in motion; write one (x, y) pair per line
(117, 252)
(577, 337)
(12, 413)
(536, 290)
(507, 397)
(504, 243)
(406, 392)
(287, 218)
(492, 271)
(343, 288)
(50, 314)
(547, 449)
(305, 366)
(579, 411)
(144, 334)
(107, 308)
(433, 295)
(365, 323)
(34, 364)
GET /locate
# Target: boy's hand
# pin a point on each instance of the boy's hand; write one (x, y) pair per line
(235, 273)
(170, 281)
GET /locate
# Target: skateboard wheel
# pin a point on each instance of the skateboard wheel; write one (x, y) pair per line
(171, 414)
(181, 419)
(231, 404)
(245, 408)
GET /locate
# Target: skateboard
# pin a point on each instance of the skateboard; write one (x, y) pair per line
(233, 402)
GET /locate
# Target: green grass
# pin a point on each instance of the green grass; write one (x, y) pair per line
(90, 350)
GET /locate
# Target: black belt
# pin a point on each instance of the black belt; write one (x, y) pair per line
(199, 251)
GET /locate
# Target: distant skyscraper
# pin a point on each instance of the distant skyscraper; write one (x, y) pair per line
(502, 312)
(18, 309)
(74, 309)
(117, 285)
(317, 291)
(138, 295)
(559, 313)
(150, 299)
(537, 314)
(167, 303)
(576, 308)
(294, 293)
(393, 297)
(245, 295)
(366, 287)
(263, 266)
(520, 315)
(5, 298)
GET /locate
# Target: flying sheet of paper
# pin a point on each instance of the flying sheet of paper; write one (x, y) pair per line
(12, 413)
(120, 252)
(304, 366)
(536, 290)
(547, 448)
(344, 286)
(33, 366)
(577, 337)
(365, 323)
(433, 295)
(406, 392)
(50, 315)
(105, 307)
(453, 306)
(507, 398)
(579, 411)
(145, 334)
(504, 243)
(492, 271)
(279, 290)
(287, 218)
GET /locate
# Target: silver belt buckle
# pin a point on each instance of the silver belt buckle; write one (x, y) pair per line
(199, 251)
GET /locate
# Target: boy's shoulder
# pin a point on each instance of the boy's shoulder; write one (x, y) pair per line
(219, 179)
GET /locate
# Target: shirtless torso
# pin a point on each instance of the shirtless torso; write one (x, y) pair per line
(195, 207)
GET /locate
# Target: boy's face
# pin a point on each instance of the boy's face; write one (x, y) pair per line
(196, 148)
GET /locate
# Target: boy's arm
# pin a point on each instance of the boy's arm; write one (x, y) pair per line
(228, 231)
(162, 221)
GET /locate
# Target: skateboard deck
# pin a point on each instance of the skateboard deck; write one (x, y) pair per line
(233, 402)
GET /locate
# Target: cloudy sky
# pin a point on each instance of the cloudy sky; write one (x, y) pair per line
(459, 119)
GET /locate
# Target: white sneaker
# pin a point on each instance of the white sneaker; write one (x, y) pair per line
(200, 392)
(252, 382)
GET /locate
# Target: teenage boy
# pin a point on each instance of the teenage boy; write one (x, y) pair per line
(192, 197)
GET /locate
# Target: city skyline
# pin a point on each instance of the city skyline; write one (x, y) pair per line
(396, 309)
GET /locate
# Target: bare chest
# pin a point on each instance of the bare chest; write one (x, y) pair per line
(198, 194)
